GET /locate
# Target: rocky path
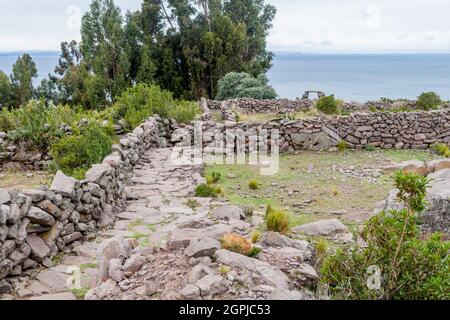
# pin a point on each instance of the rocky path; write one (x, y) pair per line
(165, 245)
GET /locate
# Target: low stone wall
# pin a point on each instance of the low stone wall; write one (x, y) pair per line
(35, 225)
(418, 130)
(246, 105)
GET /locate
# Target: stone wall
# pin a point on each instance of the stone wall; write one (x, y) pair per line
(35, 225)
(246, 105)
(409, 130)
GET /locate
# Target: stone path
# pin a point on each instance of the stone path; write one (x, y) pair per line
(163, 243)
(158, 194)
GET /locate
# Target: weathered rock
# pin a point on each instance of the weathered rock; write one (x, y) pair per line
(114, 248)
(228, 212)
(283, 294)
(202, 247)
(436, 165)
(322, 227)
(97, 172)
(40, 217)
(212, 285)
(182, 238)
(115, 271)
(133, 263)
(198, 272)
(410, 166)
(5, 287)
(272, 275)
(275, 239)
(4, 196)
(49, 207)
(39, 249)
(190, 292)
(63, 185)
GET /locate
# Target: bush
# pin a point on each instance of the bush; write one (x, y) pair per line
(411, 267)
(253, 184)
(213, 177)
(207, 191)
(143, 101)
(237, 243)
(328, 105)
(441, 149)
(429, 100)
(242, 85)
(278, 220)
(369, 147)
(75, 154)
(342, 146)
(256, 236)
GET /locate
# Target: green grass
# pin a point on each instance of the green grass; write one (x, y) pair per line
(80, 293)
(306, 183)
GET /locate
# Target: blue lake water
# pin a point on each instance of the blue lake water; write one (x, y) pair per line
(361, 77)
(349, 77)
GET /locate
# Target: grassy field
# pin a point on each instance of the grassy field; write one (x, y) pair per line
(24, 180)
(317, 185)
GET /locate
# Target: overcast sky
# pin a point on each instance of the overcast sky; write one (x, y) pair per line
(311, 26)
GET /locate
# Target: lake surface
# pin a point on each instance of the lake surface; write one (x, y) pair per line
(361, 77)
(350, 77)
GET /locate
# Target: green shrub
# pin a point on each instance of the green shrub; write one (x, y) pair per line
(207, 191)
(254, 252)
(328, 105)
(75, 154)
(143, 101)
(441, 149)
(242, 85)
(253, 184)
(213, 177)
(256, 236)
(342, 146)
(429, 100)
(278, 221)
(369, 147)
(411, 267)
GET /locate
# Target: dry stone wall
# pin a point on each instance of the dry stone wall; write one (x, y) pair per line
(35, 225)
(408, 130)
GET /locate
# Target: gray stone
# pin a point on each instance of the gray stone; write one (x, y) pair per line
(5, 287)
(5, 267)
(190, 292)
(283, 294)
(181, 238)
(269, 273)
(115, 271)
(63, 185)
(322, 227)
(114, 248)
(39, 249)
(202, 247)
(198, 272)
(35, 195)
(212, 285)
(134, 263)
(4, 196)
(97, 172)
(40, 217)
(275, 239)
(228, 212)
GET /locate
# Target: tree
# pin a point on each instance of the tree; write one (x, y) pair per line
(5, 90)
(23, 73)
(429, 100)
(104, 47)
(242, 85)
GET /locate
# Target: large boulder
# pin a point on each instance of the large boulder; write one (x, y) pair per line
(313, 141)
(202, 247)
(228, 213)
(410, 166)
(322, 228)
(436, 217)
(267, 272)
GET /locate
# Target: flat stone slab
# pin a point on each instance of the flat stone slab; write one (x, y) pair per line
(270, 274)
(182, 238)
(322, 227)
